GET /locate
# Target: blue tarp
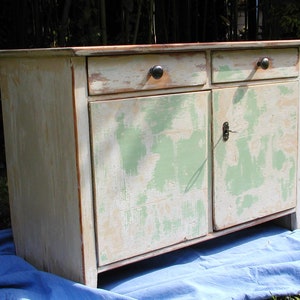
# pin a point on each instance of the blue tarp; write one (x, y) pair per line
(250, 264)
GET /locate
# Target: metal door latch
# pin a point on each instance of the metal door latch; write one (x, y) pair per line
(226, 131)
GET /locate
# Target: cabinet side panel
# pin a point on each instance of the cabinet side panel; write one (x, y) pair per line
(41, 161)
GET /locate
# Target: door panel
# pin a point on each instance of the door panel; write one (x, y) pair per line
(255, 169)
(150, 158)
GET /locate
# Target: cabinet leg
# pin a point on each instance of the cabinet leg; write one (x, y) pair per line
(290, 221)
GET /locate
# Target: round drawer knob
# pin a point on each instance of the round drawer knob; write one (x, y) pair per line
(264, 63)
(156, 72)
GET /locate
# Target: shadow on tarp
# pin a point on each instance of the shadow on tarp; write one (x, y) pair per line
(254, 263)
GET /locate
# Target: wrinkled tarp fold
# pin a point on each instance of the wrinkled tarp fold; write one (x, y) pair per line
(254, 263)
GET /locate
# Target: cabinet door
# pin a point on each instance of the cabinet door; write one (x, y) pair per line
(255, 169)
(150, 159)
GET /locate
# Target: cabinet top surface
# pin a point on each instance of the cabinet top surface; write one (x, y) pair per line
(151, 48)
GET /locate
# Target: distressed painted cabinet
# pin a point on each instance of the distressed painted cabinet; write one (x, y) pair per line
(119, 153)
(150, 172)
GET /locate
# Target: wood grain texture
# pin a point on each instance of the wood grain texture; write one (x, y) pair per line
(255, 171)
(108, 166)
(147, 49)
(84, 171)
(150, 170)
(41, 163)
(115, 74)
(230, 66)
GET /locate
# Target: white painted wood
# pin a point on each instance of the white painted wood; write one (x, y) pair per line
(255, 170)
(132, 177)
(150, 158)
(148, 48)
(293, 220)
(40, 140)
(115, 74)
(84, 171)
(230, 66)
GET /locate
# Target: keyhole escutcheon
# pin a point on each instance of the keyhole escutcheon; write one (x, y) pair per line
(225, 131)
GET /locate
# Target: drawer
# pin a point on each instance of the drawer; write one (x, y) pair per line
(128, 73)
(237, 65)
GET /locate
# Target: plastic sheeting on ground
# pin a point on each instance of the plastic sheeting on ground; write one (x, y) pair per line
(254, 263)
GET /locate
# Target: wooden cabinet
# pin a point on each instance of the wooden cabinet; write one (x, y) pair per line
(150, 164)
(240, 66)
(255, 169)
(115, 74)
(116, 154)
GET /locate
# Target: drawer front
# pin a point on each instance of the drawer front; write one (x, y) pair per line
(242, 65)
(115, 74)
(255, 170)
(150, 164)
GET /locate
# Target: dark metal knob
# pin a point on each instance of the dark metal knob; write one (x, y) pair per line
(156, 72)
(264, 63)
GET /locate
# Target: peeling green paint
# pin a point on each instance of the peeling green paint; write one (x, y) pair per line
(252, 111)
(288, 184)
(165, 167)
(216, 100)
(142, 199)
(143, 214)
(131, 146)
(292, 172)
(188, 209)
(201, 212)
(171, 226)
(247, 173)
(225, 73)
(239, 95)
(197, 177)
(292, 179)
(160, 115)
(244, 203)
(260, 158)
(220, 153)
(278, 159)
(219, 148)
(187, 152)
(195, 118)
(101, 207)
(285, 90)
(156, 236)
(150, 155)
(200, 208)
(103, 257)
(190, 155)
(285, 189)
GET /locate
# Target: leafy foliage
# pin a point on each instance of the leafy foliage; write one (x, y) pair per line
(281, 19)
(290, 18)
(52, 23)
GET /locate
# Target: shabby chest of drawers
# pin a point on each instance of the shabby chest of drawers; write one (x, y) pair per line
(119, 153)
